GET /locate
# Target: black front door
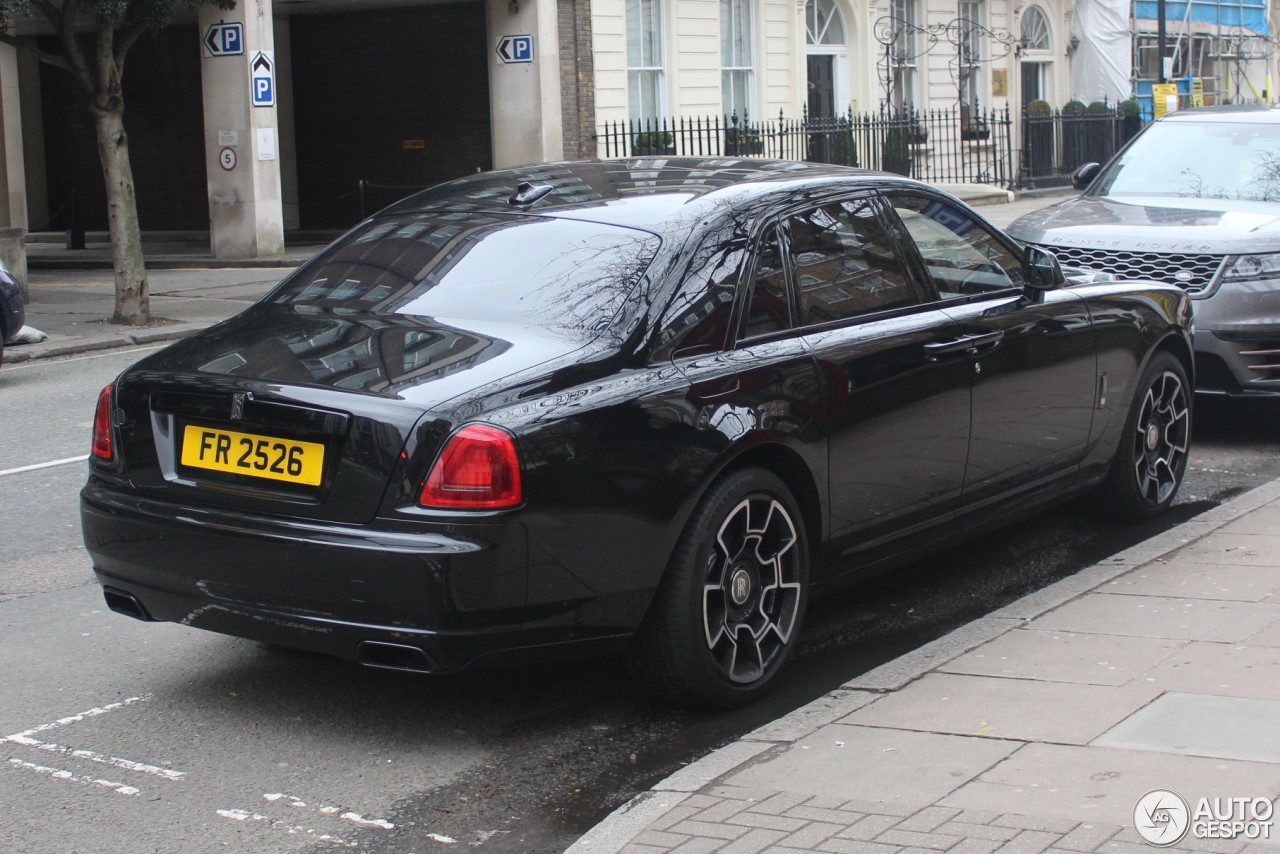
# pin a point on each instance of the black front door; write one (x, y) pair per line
(822, 78)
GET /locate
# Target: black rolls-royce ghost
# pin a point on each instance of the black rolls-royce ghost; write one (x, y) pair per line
(641, 406)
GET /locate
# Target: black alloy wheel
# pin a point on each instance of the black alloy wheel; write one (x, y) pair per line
(1152, 457)
(730, 607)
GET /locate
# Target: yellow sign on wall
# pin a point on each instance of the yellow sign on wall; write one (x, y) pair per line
(1197, 91)
(1000, 83)
(1164, 98)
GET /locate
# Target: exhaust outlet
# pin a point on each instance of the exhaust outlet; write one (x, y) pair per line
(393, 656)
(125, 603)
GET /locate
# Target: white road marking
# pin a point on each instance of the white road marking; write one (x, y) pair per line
(60, 774)
(48, 465)
(245, 815)
(26, 739)
(293, 802)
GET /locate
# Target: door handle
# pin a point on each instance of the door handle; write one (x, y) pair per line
(971, 344)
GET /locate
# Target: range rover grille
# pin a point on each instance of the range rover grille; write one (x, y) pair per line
(1192, 273)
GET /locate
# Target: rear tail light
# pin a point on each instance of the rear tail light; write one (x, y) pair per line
(477, 470)
(102, 426)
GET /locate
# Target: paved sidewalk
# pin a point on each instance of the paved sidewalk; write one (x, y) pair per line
(1036, 728)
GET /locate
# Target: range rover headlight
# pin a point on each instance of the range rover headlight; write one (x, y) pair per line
(1250, 268)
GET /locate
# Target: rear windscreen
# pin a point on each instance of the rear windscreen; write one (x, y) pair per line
(563, 276)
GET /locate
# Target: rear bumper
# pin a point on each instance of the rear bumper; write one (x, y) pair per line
(457, 594)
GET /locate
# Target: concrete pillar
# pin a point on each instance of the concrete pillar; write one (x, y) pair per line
(37, 179)
(525, 97)
(242, 143)
(13, 176)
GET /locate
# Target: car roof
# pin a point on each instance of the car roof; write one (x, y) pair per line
(1237, 113)
(640, 192)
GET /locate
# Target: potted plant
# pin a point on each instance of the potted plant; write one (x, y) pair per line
(975, 129)
(743, 140)
(649, 143)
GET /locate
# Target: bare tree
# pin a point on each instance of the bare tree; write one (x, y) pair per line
(93, 37)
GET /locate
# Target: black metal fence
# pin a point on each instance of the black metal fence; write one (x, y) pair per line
(1055, 143)
(935, 145)
(939, 146)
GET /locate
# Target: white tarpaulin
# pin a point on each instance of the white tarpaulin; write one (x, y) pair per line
(1100, 65)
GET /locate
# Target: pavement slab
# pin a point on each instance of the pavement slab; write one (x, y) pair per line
(875, 764)
(1065, 657)
(1224, 669)
(1101, 785)
(1161, 617)
(1019, 709)
(1203, 725)
(1188, 578)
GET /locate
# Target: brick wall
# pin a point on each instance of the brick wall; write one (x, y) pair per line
(577, 78)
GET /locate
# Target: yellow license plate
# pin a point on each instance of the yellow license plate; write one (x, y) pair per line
(250, 454)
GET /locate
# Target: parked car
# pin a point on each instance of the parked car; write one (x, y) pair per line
(12, 312)
(1193, 200)
(640, 406)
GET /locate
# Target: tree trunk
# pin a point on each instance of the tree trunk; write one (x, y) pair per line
(133, 299)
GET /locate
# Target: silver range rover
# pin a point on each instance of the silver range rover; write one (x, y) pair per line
(1193, 200)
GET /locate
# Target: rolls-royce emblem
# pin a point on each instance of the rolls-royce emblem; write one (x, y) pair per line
(237, 404)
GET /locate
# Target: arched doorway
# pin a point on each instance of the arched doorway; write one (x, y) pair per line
(1036, 43)
(827, 48)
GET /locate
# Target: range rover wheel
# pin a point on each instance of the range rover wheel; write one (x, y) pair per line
(728, 614)
(1152, 457)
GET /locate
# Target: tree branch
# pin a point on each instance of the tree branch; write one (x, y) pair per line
(75, 56)
(26, 47)
(126, 41)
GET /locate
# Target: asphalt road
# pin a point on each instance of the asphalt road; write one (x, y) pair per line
(118, 736)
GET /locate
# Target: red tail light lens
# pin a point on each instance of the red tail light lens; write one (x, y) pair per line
(102, 425)
(477, 470)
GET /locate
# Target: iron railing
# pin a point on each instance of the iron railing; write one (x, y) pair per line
(1056, 143)
(940, 146)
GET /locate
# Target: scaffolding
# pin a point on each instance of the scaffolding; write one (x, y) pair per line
(1222, 51)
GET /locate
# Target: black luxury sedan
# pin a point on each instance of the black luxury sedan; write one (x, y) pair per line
(641, 407)
(1193, 200)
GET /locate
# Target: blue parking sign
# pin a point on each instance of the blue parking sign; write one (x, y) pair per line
(262, 81)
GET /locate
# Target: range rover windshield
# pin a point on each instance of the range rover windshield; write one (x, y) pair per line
(1199, 159)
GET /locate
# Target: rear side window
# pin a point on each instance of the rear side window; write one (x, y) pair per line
(565, 277)
(845, 264)
(769, 309)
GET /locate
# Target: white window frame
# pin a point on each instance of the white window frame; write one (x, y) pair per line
(971, 82)
(905, 94)
(734, 68)
(642, 68)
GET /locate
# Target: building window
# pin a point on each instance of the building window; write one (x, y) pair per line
(736, 56)
(905, 49)
(1035, 33)
(644, 59)
(823, 23)
(970, 59)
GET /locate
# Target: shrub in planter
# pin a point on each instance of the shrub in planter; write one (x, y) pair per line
(653, 142)
(744, 140)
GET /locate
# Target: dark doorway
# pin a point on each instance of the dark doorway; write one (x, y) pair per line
(387, 101)
(1031, 82)
(164, 118)
(822, 76)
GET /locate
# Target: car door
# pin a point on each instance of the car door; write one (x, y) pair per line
(897, 420)
(1030, 354)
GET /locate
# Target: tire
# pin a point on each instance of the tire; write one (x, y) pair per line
(1152, 456)
(728, 612)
